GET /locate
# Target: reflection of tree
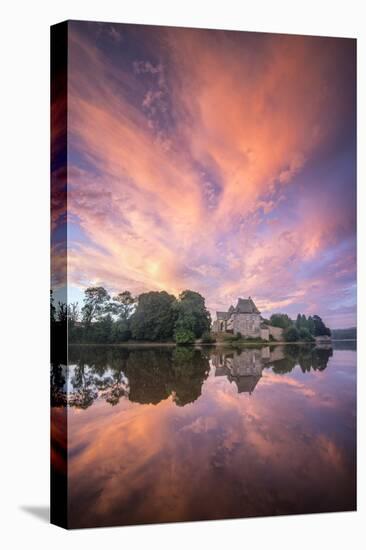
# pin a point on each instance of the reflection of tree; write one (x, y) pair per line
(146, 376)
(112, 387)
(245, 366)
(148, 373)
(153, 375)
(97, 372)
(99, 358)
(190, 369)
(58, 380)
(84, 392)
(320, 358)
(307, 357)
(114, 393)
(289, 360)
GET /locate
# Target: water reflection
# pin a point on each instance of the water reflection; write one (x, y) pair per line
(244, 367)
(149, 376)
(160, 434)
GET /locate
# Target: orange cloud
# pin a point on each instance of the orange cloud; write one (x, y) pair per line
(256, 116)
(179, 204)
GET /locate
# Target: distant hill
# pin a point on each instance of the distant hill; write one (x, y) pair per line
(344, 333)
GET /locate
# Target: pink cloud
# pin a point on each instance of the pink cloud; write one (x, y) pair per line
(151, 218)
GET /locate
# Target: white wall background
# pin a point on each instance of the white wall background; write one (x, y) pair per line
(24, 218)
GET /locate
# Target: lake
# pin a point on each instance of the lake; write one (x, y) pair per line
(186, 434)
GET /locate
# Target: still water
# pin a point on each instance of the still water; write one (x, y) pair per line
(162, 434)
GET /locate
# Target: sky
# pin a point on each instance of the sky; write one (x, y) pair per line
(221, 162)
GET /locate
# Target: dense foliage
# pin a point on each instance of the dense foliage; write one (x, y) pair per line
(157, 316)
(304, 328)
(192, 315)
(291, 334)
(152, 316)
(280, 320)
(184, 336)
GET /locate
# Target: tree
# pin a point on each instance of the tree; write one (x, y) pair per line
(95, 304)
(73, 313)
(52, 308)
(319, 327)
(192, 313)
(281, 320)
(61, 312)
(301, 322)
(298, 320)
(121, 331)
(311, 325)
(207, 338)
(305, 335)
(102, 330)
(154, 317)
(184, 336)
(291, 334)
(123, 304)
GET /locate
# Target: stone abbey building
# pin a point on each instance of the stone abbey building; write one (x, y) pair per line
(245, 319)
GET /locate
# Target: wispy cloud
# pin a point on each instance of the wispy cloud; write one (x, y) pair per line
(203, 160)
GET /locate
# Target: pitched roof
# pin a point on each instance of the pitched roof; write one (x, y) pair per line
(222, 315)
(245, 384)
(246, 306)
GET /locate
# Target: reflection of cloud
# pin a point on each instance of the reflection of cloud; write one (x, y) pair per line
(184, 165)
(223, 456)
(292, 383)
(331, 452)
(201, 425)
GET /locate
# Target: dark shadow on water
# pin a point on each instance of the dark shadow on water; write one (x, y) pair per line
(40, 512)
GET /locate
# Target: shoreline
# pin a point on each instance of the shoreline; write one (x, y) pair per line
(198, 344)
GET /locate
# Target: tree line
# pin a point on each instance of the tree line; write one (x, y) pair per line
(152, 375)
(303, 328)
(151, 316)
(158, 316)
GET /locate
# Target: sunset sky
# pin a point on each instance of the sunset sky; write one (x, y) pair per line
(222, 162)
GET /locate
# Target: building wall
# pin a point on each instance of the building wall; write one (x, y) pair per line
(219, 326)
(247, 363)
(276, 332)
(248, 324)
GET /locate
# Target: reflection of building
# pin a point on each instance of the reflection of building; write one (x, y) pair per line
(244, 368)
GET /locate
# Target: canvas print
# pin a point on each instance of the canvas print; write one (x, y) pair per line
(203, 294)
